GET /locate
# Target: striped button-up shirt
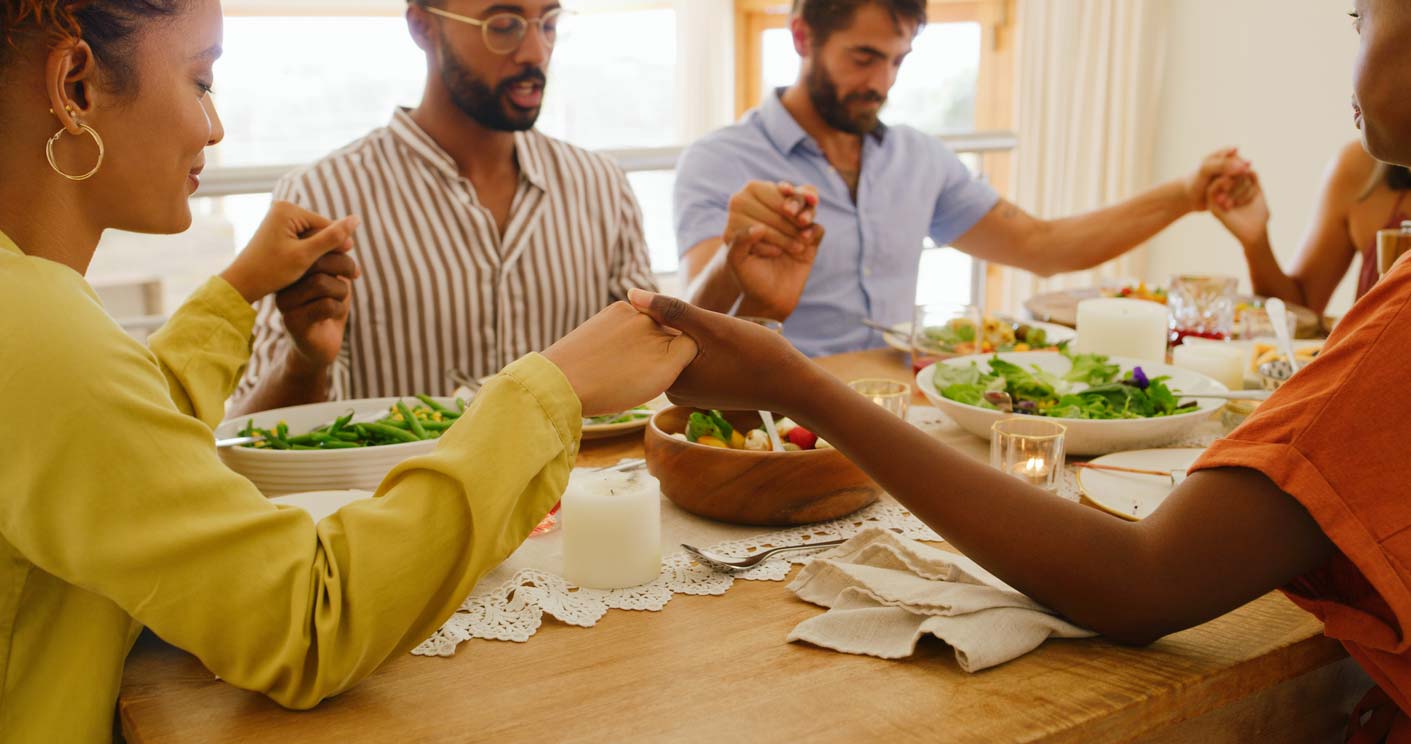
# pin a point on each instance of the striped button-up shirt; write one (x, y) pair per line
(441, 288)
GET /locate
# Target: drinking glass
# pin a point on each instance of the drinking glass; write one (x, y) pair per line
(1030, 449)
(894, 396)
(1202, 306)
(942, 331)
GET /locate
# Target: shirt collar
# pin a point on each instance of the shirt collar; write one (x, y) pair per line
(784, 131)
(407, 132)
(9, 245)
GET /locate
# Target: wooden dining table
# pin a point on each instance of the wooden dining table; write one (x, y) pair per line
(720, 669)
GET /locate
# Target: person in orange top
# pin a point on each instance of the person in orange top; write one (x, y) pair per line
(1312, 494)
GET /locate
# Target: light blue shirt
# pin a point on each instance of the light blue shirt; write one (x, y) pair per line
(911, 186)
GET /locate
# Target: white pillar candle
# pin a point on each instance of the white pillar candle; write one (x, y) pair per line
(611, 531)
(1221, 361)
(1125, 328)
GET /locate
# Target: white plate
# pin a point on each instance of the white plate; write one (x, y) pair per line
(900, 336)
(1086, 437)
(603, 431)
(1251, 377)
(1129, 495)
(320, 504)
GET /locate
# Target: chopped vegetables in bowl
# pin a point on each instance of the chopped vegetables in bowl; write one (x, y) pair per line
(1108, 404)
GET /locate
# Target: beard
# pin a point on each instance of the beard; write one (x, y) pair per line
(836, 111)
(490, 107)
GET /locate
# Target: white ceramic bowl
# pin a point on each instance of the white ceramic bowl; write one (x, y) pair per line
(1086, 437)
(277, 472)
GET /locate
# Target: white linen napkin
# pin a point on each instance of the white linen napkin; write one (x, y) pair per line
(884, 592)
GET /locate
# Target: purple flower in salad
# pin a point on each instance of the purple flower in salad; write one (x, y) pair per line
(1139, 378)
(1027, 406)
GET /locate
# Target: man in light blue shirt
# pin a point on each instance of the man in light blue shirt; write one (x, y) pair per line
(875, 191)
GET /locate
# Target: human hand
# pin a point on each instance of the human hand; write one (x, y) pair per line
(620, 358)
(1220, 164)
(315, 309)
(782, 212)
(740, 365)
(1239, 204)
(771, 243)
(289, 241)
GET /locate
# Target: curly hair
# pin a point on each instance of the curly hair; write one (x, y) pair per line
(825, 17)
(109, 27)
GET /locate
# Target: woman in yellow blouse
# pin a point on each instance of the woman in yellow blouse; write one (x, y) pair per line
(115, 512)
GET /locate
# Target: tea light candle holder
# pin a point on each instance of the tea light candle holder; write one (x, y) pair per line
(892, 395)
(611, 531)
(1030, 449)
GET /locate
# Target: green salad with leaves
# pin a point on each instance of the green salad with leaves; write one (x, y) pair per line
(1093, 388)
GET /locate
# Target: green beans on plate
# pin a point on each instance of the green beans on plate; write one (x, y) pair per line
(403, 423)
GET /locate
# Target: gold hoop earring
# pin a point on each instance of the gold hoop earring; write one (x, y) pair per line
(49, 152)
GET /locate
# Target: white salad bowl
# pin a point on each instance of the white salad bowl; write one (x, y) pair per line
(1085, 436)
(277, 472)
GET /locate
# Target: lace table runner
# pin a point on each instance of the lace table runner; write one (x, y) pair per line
(509, 603)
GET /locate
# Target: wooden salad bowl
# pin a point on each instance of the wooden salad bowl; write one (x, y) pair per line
(749, 487)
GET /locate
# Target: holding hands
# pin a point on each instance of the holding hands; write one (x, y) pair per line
(302, 258)
(1240, 206)
(771, 241)
(739, 366)
(1223, 164)
(289, 241)
(620, 358)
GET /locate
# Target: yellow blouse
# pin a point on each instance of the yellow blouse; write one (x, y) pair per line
(116, 513)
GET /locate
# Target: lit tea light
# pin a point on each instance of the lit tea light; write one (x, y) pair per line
(1030, 449)
(1034, 469)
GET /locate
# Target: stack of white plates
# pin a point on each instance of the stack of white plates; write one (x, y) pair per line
(277, 472)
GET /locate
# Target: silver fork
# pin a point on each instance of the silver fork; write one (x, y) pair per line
(735, 565)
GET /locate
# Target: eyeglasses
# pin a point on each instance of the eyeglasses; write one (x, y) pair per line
(504, 32)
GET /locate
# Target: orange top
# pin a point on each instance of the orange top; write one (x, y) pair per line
(1337, 437)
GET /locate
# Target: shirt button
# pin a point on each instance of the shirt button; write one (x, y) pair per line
(867, 271)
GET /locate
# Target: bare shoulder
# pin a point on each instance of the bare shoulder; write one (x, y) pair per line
(1353, 166)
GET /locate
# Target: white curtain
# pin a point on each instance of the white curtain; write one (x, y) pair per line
(1087, 101)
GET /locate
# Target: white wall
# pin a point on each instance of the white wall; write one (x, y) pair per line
(1274, 78)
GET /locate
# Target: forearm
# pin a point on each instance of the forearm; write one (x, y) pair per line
(202, 349)
(1087, 240)
(1083, 564)
(290, 381)
(714, 287)
(1267, 277)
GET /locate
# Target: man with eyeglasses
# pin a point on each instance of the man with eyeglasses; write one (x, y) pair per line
(482, 239)
(749, 237)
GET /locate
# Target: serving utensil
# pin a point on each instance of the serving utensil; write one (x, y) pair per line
(874, 325)
(1256, 395)
(1278, 315)
(735, 565)
(1176, 474)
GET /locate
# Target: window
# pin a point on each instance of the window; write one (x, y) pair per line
(620, 80)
